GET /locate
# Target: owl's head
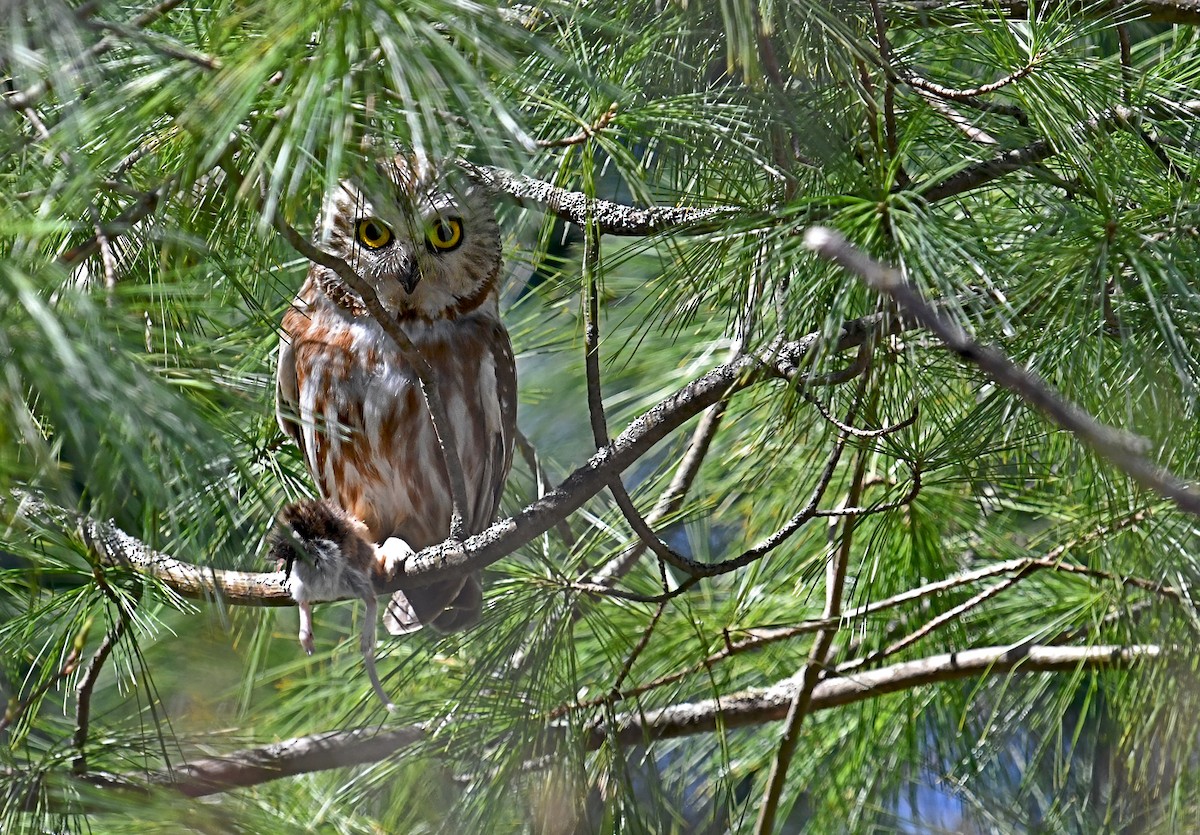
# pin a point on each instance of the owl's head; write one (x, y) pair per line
(426, 242)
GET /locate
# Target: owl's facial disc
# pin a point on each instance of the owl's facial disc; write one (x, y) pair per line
(428, 250)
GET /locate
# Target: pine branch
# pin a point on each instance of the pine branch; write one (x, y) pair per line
(610, 218)
(362, 746)
(1121, 449)
(1181, 12)
(981, 173)
(1053, 560)
(770, 704)
(451, 559)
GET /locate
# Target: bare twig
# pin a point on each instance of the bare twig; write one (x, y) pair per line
(87, 682)
(932, 625)
(1119, 448)
(952, 94)
(585, 133)
(854, 430)
(813, 668)
(982, 173)
(21, 100)
(913, 490)
(807, 513)
(641, 645)
(968, 128)
(140, 209)
(159, 44)
(359, 746)
(672, 498)
(891, 134)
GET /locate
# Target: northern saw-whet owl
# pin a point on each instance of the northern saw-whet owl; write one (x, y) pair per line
(354, 405)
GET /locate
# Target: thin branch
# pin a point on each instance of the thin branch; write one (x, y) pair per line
(1012, 111)
(968, 128)
(87, 682)
(595, 395)
(586, 132)
(21, 100)
(932, 625)
(914, 80)
(289, 758)
(672, 498)
(914, 490)
(889, 92)
(641, 645)
(362, 746)
(756, 706)
(981, 173)
(141, 208)
(806, 514)
(1121, 449)
(159, 44)
(813, 668)
(611, 218)
(854, 430)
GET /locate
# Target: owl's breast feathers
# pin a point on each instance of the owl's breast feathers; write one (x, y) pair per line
(354, 406)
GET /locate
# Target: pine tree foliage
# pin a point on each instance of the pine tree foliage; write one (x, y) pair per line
(1031, 170)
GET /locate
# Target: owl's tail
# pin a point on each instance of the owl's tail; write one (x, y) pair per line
(449, 606)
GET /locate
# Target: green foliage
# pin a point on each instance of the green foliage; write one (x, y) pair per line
(141, 285)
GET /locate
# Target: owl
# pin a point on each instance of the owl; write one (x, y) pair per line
(430, 248)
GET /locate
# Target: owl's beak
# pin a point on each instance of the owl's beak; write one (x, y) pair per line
(409, 278)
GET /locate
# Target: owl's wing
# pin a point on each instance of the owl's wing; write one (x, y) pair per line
(456, 604)
(287, 393)
(506, 391)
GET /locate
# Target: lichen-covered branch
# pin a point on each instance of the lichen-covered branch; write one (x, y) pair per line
(610, 218)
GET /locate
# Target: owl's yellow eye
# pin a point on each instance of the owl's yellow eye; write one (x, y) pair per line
(372, 233)
(444, 234)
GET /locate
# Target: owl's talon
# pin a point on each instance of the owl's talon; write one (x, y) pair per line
(393, 553)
